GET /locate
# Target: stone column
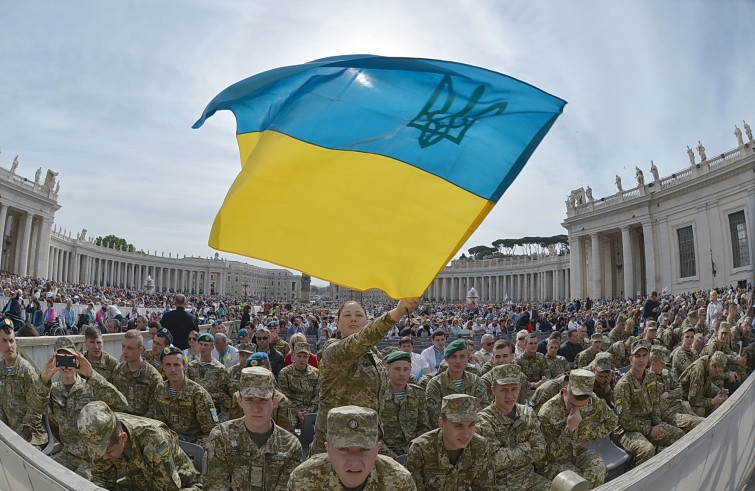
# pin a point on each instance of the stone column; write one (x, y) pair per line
(628, 268)
(575, 267)
(650, 281)
(597, 270)
(3, 219)
(750, 226)
(23, 266)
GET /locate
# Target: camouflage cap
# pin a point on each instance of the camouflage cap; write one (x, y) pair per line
(651, 324)
(692, 314)
(459, 408)
(638, 345)
(603, 362)
(398, 356)
(631, 340)
(724, 327)
(622, 318)
(96, 422)
(581, 382)
(659, 353)
(507, 374)
(745, 321)
(688, 327)
(352, 427)
(257, 382)
(702, 311)
(453, 347)
(64, 343)
(664, 316)
(720, 360)
(596, 337)
(247, 348)
(302, 348)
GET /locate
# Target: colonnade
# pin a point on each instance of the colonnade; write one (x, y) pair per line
(499, 287)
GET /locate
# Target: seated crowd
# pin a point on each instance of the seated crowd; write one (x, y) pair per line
(457, 415)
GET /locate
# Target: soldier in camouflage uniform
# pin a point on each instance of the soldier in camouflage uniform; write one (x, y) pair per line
(620, 351)
(352, 460)
(350, 370)
(300, 382)
(557, 364)
(282, 413)
(683, 356)
(453, 457)
(515, 434)
(163, 339)
(532, 363)
(640, 425)
(697, 383)
(601, 367)
(650, 334)
(252, 453)
(722, 342)
(182, 404)
(569, 420)
(503, 354)
(276, 342)
(103, 362)
(212, 375)
(454, 380)
(667, 393)
(404, 416)
(18, 386)
(63, 401)
(145, 452)
(234, 373)
(587, 356)
(546, 392)
(136, 379)
(619, 332)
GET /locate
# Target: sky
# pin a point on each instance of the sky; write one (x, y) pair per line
(105, 93)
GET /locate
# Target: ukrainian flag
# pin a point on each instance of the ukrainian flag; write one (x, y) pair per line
(371, 172)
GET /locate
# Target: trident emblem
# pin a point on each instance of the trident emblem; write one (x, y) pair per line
(436, 122)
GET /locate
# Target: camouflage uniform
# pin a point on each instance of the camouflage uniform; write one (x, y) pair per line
(150, 358)
(524, 391)
(557, 365)
(17, 389)
(618, 334)
(442, 385)
(283, 415)
(282, 347)
(681, 358)
(236, 462)
(63, 407)
(405, 420)
(106, 366)
(546, 391)
(302, 387)
(213, 376)
(191, 413)
(316, 474)
(533, 366)
(153, 462)
(138, 387)
(698, 387)
(566, 450)
(351, 427)
(674, 410)
(619, 352)
(584, 358)
(351, 372)
(512, 462)
(638, 415)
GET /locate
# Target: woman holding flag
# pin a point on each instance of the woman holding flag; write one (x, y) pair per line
(351, 371)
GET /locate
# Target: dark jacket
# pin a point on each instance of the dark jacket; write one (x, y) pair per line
(180, 323)
(569, 351)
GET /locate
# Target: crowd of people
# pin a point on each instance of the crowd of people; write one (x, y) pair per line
(505, 396)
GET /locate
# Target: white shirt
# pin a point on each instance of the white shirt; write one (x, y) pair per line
(418, 364)
(428, 359)
(230, 357)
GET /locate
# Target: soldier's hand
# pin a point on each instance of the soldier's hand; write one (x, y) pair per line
(657, 433)
(742, 361)
(732, 377)
(720, 397)
(49, 369)
(85, 368)
(664, 396)
(573, 420)
(405, 306)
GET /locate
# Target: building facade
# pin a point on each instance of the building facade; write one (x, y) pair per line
(32, 245)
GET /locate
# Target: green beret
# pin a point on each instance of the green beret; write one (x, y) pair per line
(453, 347)
(398, 356)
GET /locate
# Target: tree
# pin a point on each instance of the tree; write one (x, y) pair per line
(113, 242)
(479, 252)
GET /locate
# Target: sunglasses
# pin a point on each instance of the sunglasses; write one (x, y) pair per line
(488, 344)
(261, 339)
(192, 339)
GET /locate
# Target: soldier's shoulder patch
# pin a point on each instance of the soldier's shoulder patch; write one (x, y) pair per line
(162, 450)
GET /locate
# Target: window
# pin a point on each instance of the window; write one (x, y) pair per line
(740, 248)
(686, 252)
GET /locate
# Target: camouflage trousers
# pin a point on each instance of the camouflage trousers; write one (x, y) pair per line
(642, 449)
(682, 416)
(101, 473)
(533, 482)
(587, 464)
